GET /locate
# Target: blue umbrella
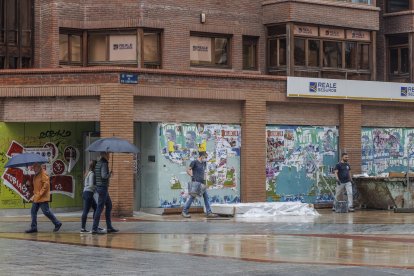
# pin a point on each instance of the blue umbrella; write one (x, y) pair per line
(25, 159)
(112, 144)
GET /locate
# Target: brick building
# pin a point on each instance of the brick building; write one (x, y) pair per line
(177, 77)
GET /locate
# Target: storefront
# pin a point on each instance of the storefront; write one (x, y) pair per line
(62, 143)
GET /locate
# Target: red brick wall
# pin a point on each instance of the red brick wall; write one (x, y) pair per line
(253, 150)
(147, 109)
(387, 116)
(321, 13)
(350, 134)
(50, 109)
(116, 119)
(303, 114)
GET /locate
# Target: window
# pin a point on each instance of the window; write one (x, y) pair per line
(16, 29)
(398, 5)
(250, 53)
(70, 48)
(399, 63)
(209, 51)
(152, 49)
(277, 51)
(112, 48)
(332, 54)
(300, 58)
(313, 49)
(350, 55)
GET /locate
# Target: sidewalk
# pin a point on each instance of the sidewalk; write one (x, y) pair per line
(367, 242)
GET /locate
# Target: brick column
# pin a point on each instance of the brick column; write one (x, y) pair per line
(116, 119)
(350, 134)
(253, 152)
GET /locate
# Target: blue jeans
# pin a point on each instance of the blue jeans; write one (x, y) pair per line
(46, 211)
(190, 201)
(103, 200)
(88, 202)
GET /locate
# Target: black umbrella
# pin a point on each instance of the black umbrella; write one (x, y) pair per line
(112, 144)
(25, 159)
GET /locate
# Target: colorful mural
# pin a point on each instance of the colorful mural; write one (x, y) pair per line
(61, 143)
(387, 149)
(300, 163)
(180, 144)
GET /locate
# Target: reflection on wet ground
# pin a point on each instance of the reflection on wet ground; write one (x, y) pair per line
(364, 238)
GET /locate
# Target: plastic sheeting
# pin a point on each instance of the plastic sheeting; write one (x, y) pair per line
(266, 209)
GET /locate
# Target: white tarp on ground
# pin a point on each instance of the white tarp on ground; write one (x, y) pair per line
(265, 209)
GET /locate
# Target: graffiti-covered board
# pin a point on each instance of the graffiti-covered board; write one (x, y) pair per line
(386, 149)
(300, 163)
(181, 143)
(60, 143)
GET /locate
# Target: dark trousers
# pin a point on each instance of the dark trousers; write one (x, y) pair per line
(46, 211)
(103, 200)
(88, 202)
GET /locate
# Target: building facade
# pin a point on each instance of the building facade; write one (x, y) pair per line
(179, 77)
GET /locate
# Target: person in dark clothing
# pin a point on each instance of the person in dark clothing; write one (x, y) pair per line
(87, 195)
(344, 179)
(197, 170)
(102, 176)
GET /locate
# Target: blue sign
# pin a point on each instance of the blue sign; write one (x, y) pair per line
(128, 78)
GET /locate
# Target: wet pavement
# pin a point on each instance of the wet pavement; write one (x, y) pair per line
(360, 243)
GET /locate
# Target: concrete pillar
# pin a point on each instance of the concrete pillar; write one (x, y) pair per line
(253, 152)
(350, 134)
(116, 119)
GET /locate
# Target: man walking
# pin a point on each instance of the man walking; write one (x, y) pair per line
(343, 176)
(41, 198)
(102, 176)
(196, 170)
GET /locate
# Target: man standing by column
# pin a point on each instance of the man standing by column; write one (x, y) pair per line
(343, 176)
(41, 198)
(102, 176)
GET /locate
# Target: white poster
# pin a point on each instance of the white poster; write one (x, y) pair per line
(123, 48)
(349, 89)
(200, 48)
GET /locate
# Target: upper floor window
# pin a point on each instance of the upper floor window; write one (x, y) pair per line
(398, 55)
(70, 48)
(398, 5)
(277, 52)
(250, 53)
(110, 47)
(210, 50)
(16, 29)
(152, 49)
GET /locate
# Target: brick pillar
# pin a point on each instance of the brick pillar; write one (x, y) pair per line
(253, 152)
(350, 134)
(116, 119)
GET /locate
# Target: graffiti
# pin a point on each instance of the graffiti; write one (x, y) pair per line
(386, 149)
(52, 133)
(300, 162)
(181, 143)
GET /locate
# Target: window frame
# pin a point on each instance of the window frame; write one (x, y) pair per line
(387, 7)
(146, 64)
(22, 55)
(399, 72)
(69, 33)
(255, 43)
(213, 64)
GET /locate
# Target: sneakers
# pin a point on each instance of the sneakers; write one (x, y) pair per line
(112, 230)
(185, 215)
(84, 231)
(57, 227)
(211, 215)
(98, 232)
(101, 229)
(31, 230)
(350, 209)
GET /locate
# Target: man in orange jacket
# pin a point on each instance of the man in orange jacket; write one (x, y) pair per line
(41, 198)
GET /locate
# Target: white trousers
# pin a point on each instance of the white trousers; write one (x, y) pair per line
(340, 189)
